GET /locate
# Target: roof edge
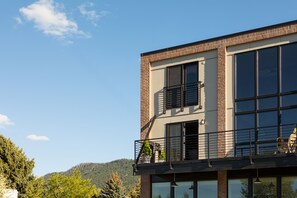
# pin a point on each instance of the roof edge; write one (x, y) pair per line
(220, 37)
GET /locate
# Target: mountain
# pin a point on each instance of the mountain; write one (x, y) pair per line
(99, 173)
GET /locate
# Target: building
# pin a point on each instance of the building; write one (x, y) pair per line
(221, 110)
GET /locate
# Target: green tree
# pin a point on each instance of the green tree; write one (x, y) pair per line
(113, 188)
(2, 185)
(35, 189)
(15, 166)
(135, 191)
(73, 186)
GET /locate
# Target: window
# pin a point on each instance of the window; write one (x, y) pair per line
(289, 187)
(208, 189)
(161, 190)
(238, 188)
(182, 85)
(265, 95)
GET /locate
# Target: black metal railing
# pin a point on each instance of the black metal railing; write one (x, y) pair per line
(182, 95)
(215, 145)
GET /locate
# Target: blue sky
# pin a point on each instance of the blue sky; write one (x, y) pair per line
(70, 72)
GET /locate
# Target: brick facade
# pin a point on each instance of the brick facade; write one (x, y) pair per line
(220, 44)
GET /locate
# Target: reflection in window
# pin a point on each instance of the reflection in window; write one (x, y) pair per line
(267, 71)
(238, 188)
(207, 189)
(267, 103)
(184, 190)
(267, 188)
(289, 187)
(161, 190)
(289, 67)
(245, 75)
(245, 106)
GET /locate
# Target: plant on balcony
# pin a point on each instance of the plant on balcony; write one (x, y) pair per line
(147, 152)
(162, 156)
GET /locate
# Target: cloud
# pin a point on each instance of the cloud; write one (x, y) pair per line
(5, 121)
(18, 20)
(49, 19)
(91, 14)
(37, 137)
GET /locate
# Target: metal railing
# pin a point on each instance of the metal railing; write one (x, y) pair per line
(211, 146)
(182, 95)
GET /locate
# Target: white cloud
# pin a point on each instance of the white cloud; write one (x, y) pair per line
(18, 20)
(5, 121)
(91, 14)
(49, 19)
(37, 137)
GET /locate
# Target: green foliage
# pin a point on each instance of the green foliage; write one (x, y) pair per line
(113, 188)
(99, 173)
(35, 188)
(15, 166)
(135, 191)
(162, 156)
(60, 186)
(147, 149)
(2, 185)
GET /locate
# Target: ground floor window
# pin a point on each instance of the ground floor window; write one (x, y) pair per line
(270, 187)
(289, 187)
(207, 189)
(185, 189)
(267, 188)
(238, 188)
(161, 190)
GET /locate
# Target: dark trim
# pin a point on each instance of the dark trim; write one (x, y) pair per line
(230, 164)
(220, 37)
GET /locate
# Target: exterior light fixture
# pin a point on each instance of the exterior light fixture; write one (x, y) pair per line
(202, 122)
(257, 181)
(174, 184)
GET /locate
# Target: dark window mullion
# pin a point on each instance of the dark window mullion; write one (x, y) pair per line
(256, 91)
(279, 99)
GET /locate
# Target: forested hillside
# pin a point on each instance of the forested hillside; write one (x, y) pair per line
(99, 173)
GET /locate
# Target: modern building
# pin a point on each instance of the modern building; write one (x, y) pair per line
(221, 111)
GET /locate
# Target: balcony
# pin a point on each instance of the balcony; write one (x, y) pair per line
(230, 150)
(183, 95)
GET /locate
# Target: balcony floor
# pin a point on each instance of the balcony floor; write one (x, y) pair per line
(232, 163)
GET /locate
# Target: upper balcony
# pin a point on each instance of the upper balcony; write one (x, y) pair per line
(272, 146)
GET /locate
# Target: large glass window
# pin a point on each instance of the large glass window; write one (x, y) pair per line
(266, 96)
(184, 190)
(207, 189)
(245, 75)
(289, 67)
(161, 190)
(182, 85)
(238, 188)
(267, 188)
(289, 187)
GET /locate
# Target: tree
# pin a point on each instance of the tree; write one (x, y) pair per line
(113, 188)
(2, 185)
(35, 188)
(135, 191)
(60, 186)
(15, 166)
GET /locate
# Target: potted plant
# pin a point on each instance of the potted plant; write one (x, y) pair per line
(162, 156)
(147, 152)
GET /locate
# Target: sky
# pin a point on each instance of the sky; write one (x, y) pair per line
(70, 70)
